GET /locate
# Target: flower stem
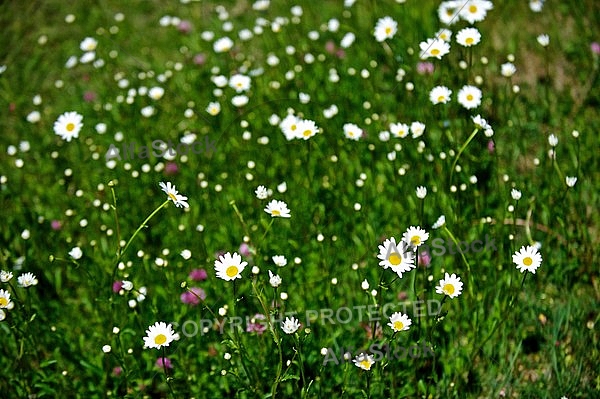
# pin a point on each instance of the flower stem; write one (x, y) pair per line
(460, 151)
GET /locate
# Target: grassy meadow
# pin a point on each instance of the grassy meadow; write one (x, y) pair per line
(275, 199)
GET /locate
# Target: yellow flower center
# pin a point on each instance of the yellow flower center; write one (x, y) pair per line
(365, 364)
(469, 97)
(307, 132)
(448, 289)
(435, 51)
(398, 325)
(415, 240)
(172, 196)
(441, 98)
(469, 40)
(395, 259)
(3, 301)
(473, 9)
(70, 126)
(275, 212)
(160, 339)
(388, 30)
(293, 127)
(527, 261)
(231, 271)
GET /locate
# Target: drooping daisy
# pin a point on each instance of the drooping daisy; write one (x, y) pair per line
(440, 95)
(475, 10)
(277, 209)
(415, 236)
(469, 97)
(421, 192)
(468, 37)
(261, 192)
(5, 276)
(515, 194)
(399, 322)
(396, 257)
(27, 280)
(352, 131)
(179, 200)
(436, 48)
(385, 28)
(570, 180)
(364, 361)
(417, 129)
(229, 267)
(450, 285)
(5, 302)
(439, 223)
(399, 129)
(279, 260)
(306, 129)
(68, 125)
(239, 82)
(527, 258)
(76, 253)
(160, 334)
(290, 325)
(274, 279)
(543, 40)
(480, 123)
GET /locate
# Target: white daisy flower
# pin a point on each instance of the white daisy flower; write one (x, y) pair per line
(527, 258)
(277, 208)
(230, 267)
(274, 279)
(469, 97)
(515, 194)
(261, 192)
(352, 131)
(444, 34)
(88, 44)
(156, 93)
(397, 257)
(306, 129)
(364, 361)
(213, 108)
(448, 12)
(543, 40)
(399, 129)
(279, 260)
(399, 322)
(76, 253)
(290, 325)
(508, 69)
(468, 37)
(179, 200)
(158, 335)
(475, 10)
(439, 223)
(5, 276)
(385, 28)
(435, 48)
(417, 129)
(5, 302)
(240, 82)
(68, 125)
(571, 180)
(289, 126)
(415, 236)
(421, 192)
(27, 280)
(450, 285)
(222, 45)
(440, 95)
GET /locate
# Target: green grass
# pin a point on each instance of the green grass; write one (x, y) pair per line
(535, 337)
